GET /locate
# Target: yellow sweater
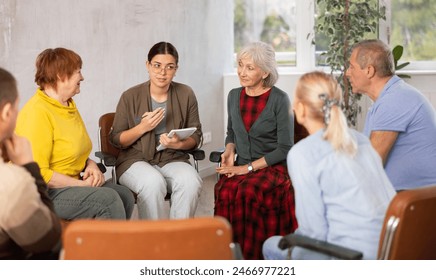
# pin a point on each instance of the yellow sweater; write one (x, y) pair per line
(57, 133)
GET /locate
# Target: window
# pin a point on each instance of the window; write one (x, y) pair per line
(271, 21)
(413, 25)
(288, 26)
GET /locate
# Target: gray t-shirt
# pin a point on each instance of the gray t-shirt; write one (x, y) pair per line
(161, 127)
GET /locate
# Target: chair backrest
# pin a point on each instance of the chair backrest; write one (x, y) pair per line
(205, 238)
(300, 132)
(409, 229)
(105, 126)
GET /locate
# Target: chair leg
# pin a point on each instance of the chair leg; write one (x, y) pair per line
(196, 165)
(218, 176)
(114, 176)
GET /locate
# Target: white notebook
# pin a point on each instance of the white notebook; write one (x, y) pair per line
(183, 133)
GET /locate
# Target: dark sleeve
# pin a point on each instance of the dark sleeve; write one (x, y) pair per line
(34, 170)
(47, 228)
(194, 118)
(285, 130)
(230, 135)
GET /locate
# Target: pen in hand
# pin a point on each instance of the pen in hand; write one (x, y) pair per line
(149, 120)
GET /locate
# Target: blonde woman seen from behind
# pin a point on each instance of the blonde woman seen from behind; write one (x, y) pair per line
(341, 188)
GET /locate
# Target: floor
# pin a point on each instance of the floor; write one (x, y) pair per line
(205, 205)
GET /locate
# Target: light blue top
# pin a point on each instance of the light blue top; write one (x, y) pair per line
(339, 199)
(402, 108)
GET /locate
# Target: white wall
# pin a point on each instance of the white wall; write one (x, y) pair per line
(113, 38)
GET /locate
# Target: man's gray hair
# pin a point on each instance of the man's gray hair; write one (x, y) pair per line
(376, 53)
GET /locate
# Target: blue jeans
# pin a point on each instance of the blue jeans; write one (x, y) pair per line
(110, 201)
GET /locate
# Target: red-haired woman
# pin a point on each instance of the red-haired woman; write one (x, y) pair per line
(61, 144)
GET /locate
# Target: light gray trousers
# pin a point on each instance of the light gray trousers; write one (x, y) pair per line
(151, 183)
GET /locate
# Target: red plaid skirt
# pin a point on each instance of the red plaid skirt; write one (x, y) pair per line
(257, 205)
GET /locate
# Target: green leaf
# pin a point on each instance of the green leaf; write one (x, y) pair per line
(404, 76)
(401, 66)
(397, 52)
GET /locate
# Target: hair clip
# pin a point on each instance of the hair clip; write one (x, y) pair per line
(328, 104)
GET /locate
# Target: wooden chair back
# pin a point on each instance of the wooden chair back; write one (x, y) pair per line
(105, 126)
(300, 132)
(206, 238)
(409, 230)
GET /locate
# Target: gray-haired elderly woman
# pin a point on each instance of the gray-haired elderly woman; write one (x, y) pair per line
(255, 194)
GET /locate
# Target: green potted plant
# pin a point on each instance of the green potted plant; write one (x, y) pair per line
(344, 23)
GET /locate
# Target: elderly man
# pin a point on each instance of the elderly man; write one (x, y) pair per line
(29, 227)
(401, 124)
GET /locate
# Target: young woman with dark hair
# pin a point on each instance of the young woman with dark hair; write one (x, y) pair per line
(144, 116)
